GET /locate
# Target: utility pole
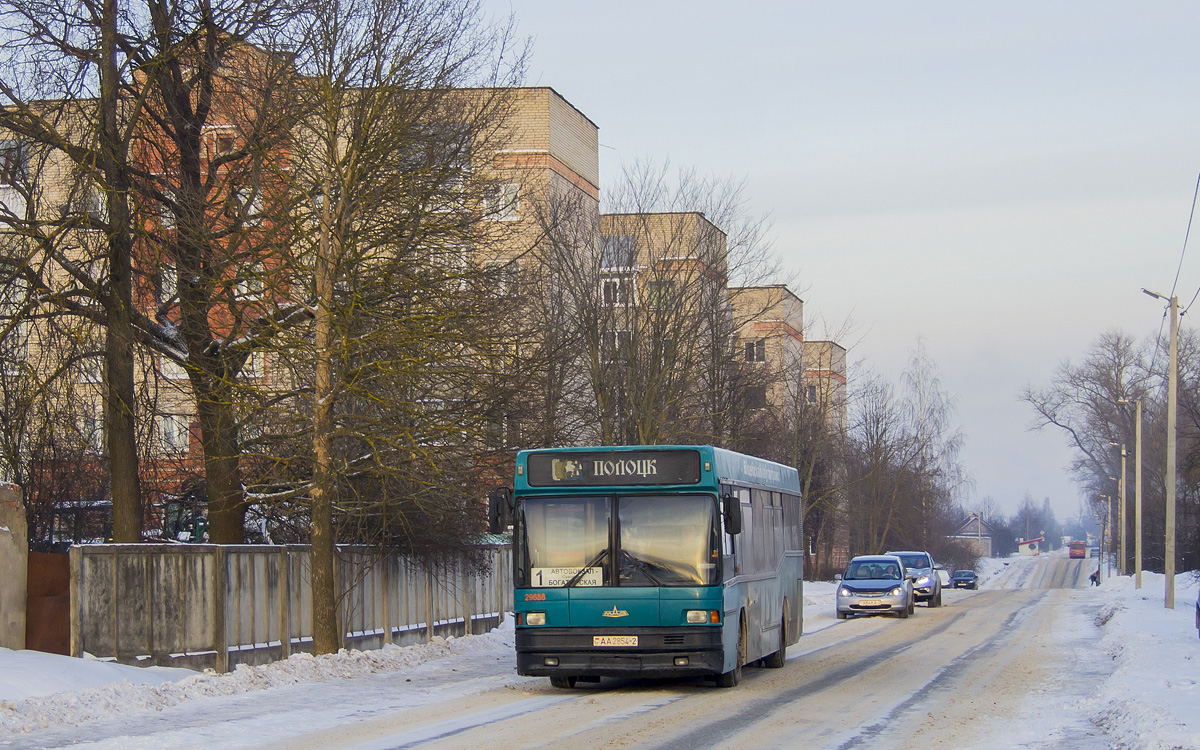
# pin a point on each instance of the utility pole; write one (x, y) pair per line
(1137, 503)
(1172, 385)
(1137, 491)
(1108, 549)
(1121, 515)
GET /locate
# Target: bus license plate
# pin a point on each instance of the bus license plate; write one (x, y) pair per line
(614, 640)
(869, 602)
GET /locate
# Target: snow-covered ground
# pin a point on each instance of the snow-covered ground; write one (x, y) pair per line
(1151, 700)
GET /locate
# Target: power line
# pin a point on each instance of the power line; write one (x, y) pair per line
(1178, 271)
(1183, 252)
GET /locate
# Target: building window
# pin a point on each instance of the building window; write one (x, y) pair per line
(167, 283)
(91, 428)
(166, 210)
(15, 349)
(616, 346)
(501, 202)
(172, 432)
(503, 431)
(249, 285)
(660, 295)
(756, 350)
(93, 204)
(249, 205)
(810, 394)
(256, 365)
(220, 140)
(91, 370)
(172, 370)
(618, 252)
(504, 278)
(13, 163)
(756, 397)
(617, 291)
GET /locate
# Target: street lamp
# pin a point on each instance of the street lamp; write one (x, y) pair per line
(1137, 489)
(1172, 384)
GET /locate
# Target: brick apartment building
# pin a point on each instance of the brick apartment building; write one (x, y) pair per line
(656, 285)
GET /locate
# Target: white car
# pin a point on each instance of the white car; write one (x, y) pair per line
(874, 585)
(927, 581)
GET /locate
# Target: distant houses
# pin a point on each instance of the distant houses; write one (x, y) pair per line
(975, 535)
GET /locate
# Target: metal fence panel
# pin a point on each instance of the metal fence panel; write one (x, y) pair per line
(212, 606)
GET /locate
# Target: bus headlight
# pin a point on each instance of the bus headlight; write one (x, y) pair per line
(701, 616)
(535, 618)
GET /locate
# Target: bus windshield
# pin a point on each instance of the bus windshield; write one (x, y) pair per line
(662, 540)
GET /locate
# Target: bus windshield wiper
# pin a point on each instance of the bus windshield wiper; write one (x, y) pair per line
(644, 567)
(588, 566)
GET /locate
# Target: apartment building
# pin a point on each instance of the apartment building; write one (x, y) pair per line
(541, 148)
(770, 341)
(642, 297)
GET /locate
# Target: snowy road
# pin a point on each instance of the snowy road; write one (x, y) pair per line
(990, 669)
(951, 677)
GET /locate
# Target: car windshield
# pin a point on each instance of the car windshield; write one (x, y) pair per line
(915, 561)
(872, 571)
(964, 574)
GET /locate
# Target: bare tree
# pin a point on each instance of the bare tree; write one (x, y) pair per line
(1090, 402)
(902, 462)
(645, 287)
(379, 410)
(152, 125)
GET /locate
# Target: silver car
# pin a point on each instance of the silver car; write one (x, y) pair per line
(926, 582)
(874, 585)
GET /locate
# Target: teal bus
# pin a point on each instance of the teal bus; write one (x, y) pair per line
(654, 561)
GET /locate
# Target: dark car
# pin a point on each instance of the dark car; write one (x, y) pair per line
(963, 579)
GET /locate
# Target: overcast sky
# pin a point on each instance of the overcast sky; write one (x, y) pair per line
(996, 179)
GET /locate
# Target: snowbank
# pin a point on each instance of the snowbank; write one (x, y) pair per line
(1152, 700)
(101, 690)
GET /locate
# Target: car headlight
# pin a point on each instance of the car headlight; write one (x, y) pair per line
(923, 581)
(897, 591)
(845, 592)
(535, 618)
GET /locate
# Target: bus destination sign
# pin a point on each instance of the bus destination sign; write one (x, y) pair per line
(614, 468)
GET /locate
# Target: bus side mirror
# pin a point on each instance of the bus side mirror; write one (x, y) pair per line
(731, 509)
(499, 510)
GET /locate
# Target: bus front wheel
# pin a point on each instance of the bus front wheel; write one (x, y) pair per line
(566, 683)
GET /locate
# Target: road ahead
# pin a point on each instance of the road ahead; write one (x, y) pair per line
(953, 677)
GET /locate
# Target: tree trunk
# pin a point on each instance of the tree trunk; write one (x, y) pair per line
(218, 436)
(326, 638)
(119, 388)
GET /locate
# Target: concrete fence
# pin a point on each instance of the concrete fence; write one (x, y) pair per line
(215, 606)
